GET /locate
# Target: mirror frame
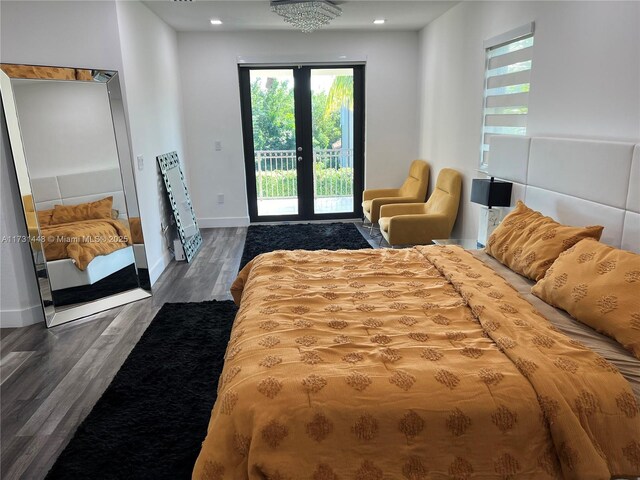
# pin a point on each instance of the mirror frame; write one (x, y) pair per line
(191, 245)
(111, 79)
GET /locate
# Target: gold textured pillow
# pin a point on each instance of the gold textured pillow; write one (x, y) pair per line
(528, 242)
(44, 217)
(600, 286)
(82, 211)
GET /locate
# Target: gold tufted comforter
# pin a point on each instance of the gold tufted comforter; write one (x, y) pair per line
(136, 230)
(84, 240)
(411, 364)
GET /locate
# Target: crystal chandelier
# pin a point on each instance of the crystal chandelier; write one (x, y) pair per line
(306, 15)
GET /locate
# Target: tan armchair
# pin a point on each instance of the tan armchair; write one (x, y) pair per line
(414, 189)
(420, 223)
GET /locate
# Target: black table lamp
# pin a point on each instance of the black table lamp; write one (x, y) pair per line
(489, 193)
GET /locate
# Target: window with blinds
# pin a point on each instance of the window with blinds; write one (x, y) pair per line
(507, 83)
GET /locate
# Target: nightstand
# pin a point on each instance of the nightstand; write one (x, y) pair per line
(466, 243)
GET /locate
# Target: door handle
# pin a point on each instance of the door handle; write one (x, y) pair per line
(299, 159)
(299, 149)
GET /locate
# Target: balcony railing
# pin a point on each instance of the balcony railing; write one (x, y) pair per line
(276, 173)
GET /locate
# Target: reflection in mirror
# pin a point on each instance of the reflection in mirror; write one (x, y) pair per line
(70, 146)
(180, 201)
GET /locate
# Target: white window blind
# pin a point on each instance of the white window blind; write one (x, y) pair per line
(507, 84)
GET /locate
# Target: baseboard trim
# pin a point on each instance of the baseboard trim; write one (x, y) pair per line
(302, 222)
(159, 267)
(21, 318)
(223, 222)
(244, 222)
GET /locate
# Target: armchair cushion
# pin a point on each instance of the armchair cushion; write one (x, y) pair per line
(402, 209)
(373, 213)
(383, 222)
(414, 189)
(420, 223)
(417, 182)
(415, 229)
(380, 192)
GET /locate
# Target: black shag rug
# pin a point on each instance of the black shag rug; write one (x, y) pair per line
(305, 236)
(153, 417)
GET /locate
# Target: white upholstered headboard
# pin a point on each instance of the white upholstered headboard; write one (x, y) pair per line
(76, 188)
(576, 182)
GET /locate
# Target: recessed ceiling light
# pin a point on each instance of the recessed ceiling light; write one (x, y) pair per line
(379, 21)
(215, 21)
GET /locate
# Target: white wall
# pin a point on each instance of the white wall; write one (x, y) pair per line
(151, 80)
(52, 113)
(208, 63)
(19, 298)
(585, 81)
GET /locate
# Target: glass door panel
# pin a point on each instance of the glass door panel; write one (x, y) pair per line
(332, 102)
(303, 137)
(274, 141)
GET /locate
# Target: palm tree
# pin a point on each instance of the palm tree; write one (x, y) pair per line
(340, 94)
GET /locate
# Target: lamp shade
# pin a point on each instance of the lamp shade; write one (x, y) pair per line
(491, 193)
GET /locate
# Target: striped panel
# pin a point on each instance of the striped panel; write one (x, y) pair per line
(506, 97)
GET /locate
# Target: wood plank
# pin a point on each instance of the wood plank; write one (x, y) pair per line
(12, 362)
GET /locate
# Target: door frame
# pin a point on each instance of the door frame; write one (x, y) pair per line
(304, 126)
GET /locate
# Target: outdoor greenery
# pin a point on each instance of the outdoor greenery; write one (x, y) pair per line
(272, 106)
(274, 118)
(282, 183)
(333, 181)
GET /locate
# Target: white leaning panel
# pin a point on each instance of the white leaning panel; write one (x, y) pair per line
(573, 211)
(518, 192)
(87, 183)
(631, 232)
(593, 170)
(45, 189)
(76, 188)
(633, 198)
(48, 205)
(508, 157)
(64, 273)
(85, 187)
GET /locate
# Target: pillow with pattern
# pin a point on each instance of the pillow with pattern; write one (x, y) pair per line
(83, 211)
(597, 285)
(528, 242)
(44, 217)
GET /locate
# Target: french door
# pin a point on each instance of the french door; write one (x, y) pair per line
(303, 130)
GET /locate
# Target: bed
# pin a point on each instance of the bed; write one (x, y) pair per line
(116, 242)
(420, 363)
(84, 252)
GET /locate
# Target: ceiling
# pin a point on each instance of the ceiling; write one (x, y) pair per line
(243, 15)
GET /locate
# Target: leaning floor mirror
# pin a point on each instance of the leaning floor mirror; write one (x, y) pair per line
(73, 164)
(185, 217)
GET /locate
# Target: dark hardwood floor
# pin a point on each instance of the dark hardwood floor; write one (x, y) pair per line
(51, 378)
